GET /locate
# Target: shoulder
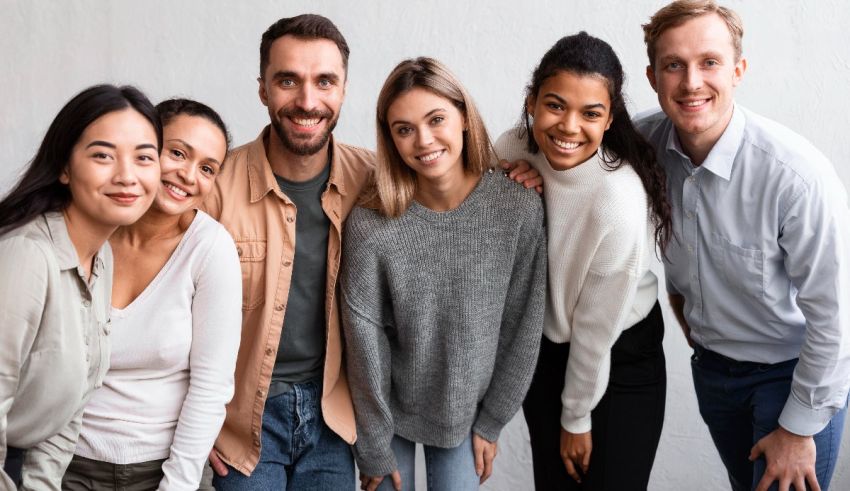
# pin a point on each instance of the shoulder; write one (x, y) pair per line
(29, 242)
(356, 157)
(621, 201)
(366, 224)
(514, 199)
(653, 124)
(209, 245)
(512, 145)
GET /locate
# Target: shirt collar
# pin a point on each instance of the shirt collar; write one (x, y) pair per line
(721, 158)
(66, 253)
(261, 179)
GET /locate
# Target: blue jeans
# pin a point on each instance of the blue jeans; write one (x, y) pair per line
(298, 450)
(741, 403)
(448, 469)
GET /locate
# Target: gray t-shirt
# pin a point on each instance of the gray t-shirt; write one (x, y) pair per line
(301, 353)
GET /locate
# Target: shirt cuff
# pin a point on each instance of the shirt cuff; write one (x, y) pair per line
(803, 420)
(374, 464)
(574, 424)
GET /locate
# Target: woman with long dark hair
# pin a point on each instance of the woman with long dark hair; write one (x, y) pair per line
(96, 170)
(596, 405)
(176, 323)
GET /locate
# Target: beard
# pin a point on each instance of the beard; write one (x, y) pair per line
(303, 146)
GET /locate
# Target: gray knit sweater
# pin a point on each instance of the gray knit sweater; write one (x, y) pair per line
(442, 315)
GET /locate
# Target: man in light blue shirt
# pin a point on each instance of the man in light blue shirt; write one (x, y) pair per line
(759, 263)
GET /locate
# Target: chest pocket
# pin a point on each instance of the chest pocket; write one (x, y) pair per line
(252, 259)
(741, 268)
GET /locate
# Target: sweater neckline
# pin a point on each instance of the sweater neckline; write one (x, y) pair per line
(466, 207)
(586, 173)
(152, 286)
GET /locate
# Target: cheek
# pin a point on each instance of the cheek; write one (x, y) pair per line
(149, 178)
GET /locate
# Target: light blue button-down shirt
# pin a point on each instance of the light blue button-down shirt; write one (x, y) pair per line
(761, 255)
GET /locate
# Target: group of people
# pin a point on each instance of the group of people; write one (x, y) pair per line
(417, 295)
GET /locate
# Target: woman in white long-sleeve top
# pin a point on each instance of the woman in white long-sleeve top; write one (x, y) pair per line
(96, 169)
(176, 317)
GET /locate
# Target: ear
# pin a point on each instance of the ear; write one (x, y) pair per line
(65, 177)
(650, 75)
(530, 101)
(740, 69)
(264, 96)
(610, 120)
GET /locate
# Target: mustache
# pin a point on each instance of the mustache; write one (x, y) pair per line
(302, 114)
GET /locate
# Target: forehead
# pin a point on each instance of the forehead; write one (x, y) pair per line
(576, 86)
(125, 125)
(304, 56)
(417, 102)
(706, 33)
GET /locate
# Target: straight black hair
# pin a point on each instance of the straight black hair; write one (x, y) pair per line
(39, 189)
(171, 108)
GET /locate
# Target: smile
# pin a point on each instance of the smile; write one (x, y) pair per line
(308, 123)
(123, 198)
(565, 144)
(182, 193)
(431, 156)
(694, 103)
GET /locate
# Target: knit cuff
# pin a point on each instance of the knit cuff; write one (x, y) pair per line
(487, 427)
(376, 464)
(574, 424)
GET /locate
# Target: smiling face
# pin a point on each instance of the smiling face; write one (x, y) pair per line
(113, 170)
(571, 113)
(303, 88)
(192, 153)
(427, 131)
(695, 74)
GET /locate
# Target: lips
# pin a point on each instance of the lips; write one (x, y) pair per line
(430, 157)
(692, 104)
(306, 121)
(123, 198)
(564, 145)
(175, 191)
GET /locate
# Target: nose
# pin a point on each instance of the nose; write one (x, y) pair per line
(188, 172)
(125, 171)
(424, 137)
(569, 123)
(307, 97)
(692, 81)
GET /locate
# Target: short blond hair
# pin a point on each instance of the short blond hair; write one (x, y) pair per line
(677, 13)
(395, 182)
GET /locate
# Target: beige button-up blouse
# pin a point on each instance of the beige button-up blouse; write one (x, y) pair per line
(54, 350)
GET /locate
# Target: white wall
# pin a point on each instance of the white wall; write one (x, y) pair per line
(799, 67)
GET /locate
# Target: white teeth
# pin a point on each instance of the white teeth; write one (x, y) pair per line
(431, 156)
(695, 103)
(566, 145)
(306, 122)
(175, 189)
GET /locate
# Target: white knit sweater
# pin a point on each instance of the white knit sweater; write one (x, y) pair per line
(173, 357)
(600, 246)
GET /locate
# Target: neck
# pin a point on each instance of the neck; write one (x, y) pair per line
(152, 226)
(447, 193)
(86, 236)
(291, 166)
(698, 146)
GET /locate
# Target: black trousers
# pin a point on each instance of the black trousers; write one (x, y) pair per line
(626, 423)
(14, 463)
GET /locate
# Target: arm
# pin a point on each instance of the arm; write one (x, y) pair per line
(45, 463)
(216, 332)
(520, 331)
(22, 297)
(365, 320)
(815, 236)
(677, 303)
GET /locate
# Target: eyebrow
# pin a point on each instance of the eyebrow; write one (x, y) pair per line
(560, 99)
(101, 143)
(289, 74)
(429, 113)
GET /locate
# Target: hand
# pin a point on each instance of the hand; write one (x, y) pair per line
(218, 465)
(523, 173)
(575, 452)
(790, 460)
(677, 303)
(371, 483)
(484, 451)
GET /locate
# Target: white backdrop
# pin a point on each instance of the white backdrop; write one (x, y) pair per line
(799, 67)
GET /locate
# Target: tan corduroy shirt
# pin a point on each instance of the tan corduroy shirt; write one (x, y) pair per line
(246, 199)
(54, 350)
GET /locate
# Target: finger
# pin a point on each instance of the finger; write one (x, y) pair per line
(217, 464)
(374, 483)
(478, 451)
(539, 189)
(812, 479)
(585, 462)
(488, 466)
(785, 484)
(571, 470)
(396, 475)
(756, 451)
(533, 182)
(506, 165)
(765, 482)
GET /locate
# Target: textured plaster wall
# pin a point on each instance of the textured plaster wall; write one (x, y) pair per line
(799, 67)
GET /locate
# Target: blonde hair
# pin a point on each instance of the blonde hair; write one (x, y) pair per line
(395, 182)
(680, 11)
